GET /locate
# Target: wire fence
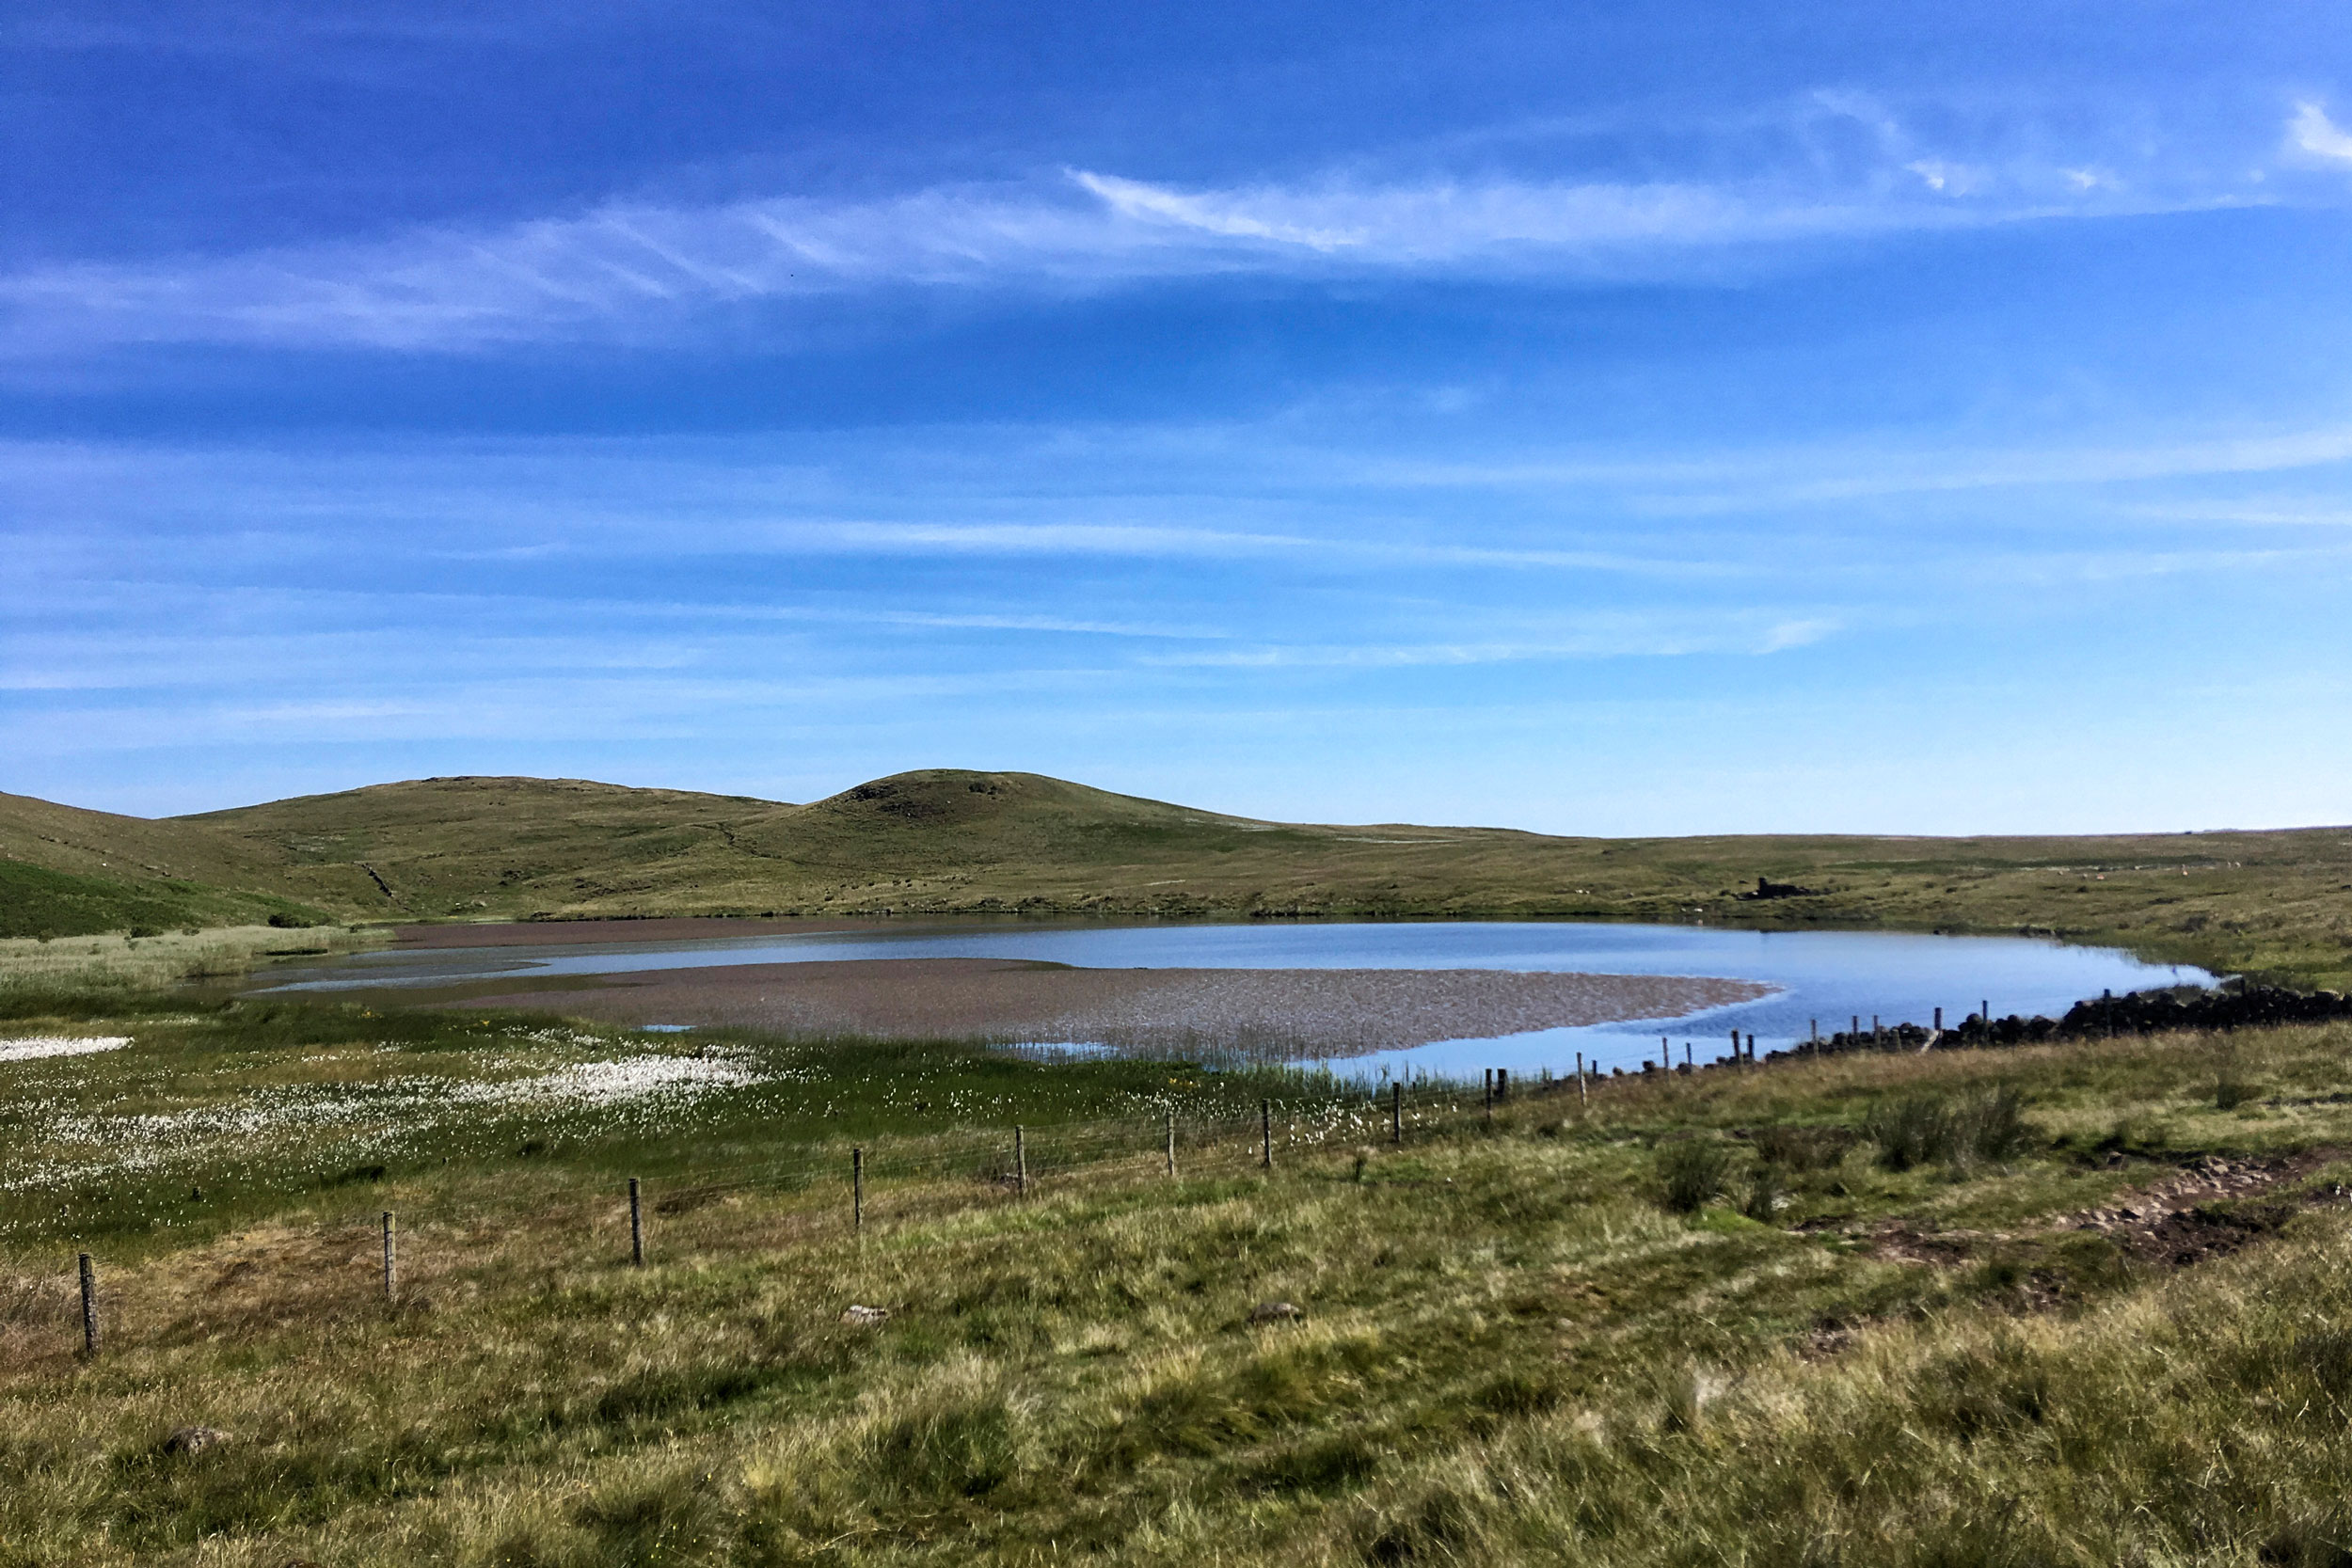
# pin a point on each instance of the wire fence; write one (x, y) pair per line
(848, 1189)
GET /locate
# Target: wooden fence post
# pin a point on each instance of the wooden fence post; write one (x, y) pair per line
(1490, 1094)
(1396, 1112)
(1265, 1134)
(857, 1189)
(1583, 1101)
(391, 1274)
(1171, 1143)
(1020, 1161)
(89, 1305)
(636, 1226)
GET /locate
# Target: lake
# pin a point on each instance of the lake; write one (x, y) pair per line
(1828, 975)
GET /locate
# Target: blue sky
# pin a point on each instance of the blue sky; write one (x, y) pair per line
(1617, 420)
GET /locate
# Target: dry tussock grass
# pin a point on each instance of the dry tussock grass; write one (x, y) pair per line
(1511, 1354)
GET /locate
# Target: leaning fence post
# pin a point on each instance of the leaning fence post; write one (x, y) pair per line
(857, 1189)
(1265, 1134)
(636, 1226)
(390, 1275)
(1020, 1161)
(1396, 1112)
(1583, 1101)
(1171, 1143)
(89, 1305)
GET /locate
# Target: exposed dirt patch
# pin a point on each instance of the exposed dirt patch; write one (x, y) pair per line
(1828, 1338)
(2204, 1210)
(2213, 1207)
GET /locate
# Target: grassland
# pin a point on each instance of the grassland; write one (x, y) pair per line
(2277, 905)
(84, 976)
(2102, 1316)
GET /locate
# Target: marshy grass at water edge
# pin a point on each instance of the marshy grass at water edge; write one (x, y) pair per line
(75, 976)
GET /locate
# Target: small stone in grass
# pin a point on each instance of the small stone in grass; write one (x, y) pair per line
(1273, 1312)
(193, 1440)
(865, 1317)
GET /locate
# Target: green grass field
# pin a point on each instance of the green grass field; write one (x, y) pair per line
(2277, 905)
(1862, 1309)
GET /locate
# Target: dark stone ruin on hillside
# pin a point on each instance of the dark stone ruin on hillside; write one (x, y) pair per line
(1767, 888)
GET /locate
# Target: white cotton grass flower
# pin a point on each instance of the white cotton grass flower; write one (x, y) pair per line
(60, 1045)
(630, 1078)
(340, 1124)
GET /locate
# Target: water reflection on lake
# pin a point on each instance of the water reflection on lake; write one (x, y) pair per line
(1828, 975)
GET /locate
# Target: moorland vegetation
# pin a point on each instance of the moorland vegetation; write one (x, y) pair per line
(2083, 1302)
(2080, 1300)
(2269, 904)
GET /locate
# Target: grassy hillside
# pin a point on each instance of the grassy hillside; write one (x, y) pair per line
(68, 872)
(943, 841)
(2081, 1303)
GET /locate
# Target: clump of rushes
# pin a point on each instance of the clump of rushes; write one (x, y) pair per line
(1991, 1126)
(1919, 1130)
(1690, 1171)
(1765, 1192)
(1803, 1148)
(2232, 1086)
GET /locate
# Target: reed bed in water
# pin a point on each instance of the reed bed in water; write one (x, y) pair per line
(1263, 1014)
(34, 969)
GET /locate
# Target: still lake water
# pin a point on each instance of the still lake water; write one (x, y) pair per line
(1828, 975)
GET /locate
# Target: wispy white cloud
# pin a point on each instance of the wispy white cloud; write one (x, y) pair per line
(1812, 476)
(646, 271)
(2313, 131)
(1657, 633)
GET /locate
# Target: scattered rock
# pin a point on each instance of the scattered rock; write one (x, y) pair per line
(1274, 1312)
(865, 1317)
(193, 1440)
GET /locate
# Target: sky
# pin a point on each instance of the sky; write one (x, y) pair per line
(1619, 420)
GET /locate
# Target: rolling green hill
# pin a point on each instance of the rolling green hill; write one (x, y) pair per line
(946, 841)
(68, 872)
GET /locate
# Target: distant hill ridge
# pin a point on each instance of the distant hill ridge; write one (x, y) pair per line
(946, 841)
